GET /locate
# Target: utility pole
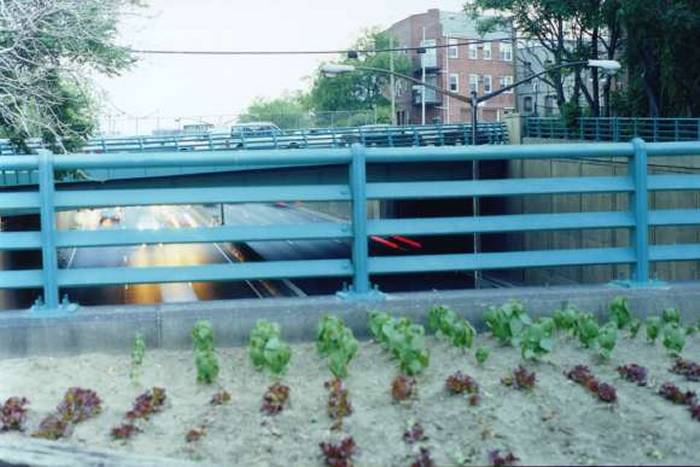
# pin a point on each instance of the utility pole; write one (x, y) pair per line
(446, 51)
(422, 93)
(392, 85)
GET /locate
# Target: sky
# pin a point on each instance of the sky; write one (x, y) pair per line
(160, 89)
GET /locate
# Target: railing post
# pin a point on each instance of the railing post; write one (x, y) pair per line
(48, 229)
(640, 210)
(360, 249)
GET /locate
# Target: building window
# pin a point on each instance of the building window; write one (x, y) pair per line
(505, 51)
(452, 50)
(487, 50)
(505, 81)
(474, 83)
(454, 82)
(429, 58)
(550, 104)
(487, 83)
(527, 104)
(473, 54)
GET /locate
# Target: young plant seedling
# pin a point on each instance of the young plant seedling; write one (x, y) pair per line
(13, 414)
(446, 324)
(537, 339)
(78, 405)
(337, 342)
(403, 388)
(586, 329)
(607, 339)
(423, 458)
(275, 399)
(634, 373)
(671, 316)
(482, 354)
(138, 350)
(670, 391)
(582, 375)
(507, 322)
(619, 312)
(498, 460)
(674, 338)
(338, 454)
(635, 325)
(377, 320)
(653, 328)
(565, 318)
(266, 348)
(687, 368)
(415, 434)
(520, 379)
(204, 357)
(339, 405)
(220, 398)
(145, 405)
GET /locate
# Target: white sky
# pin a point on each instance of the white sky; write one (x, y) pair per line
(183, 86)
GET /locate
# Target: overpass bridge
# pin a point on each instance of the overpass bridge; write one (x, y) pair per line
(357, 181)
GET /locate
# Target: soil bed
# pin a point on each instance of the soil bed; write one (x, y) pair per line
(559, 422)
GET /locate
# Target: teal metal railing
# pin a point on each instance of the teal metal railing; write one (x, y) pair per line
(637, 217)
(615, 129)
(374, 136)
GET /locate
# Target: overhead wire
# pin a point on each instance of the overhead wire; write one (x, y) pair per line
(315, 52)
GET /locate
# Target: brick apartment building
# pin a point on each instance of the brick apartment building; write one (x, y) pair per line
(460, 68)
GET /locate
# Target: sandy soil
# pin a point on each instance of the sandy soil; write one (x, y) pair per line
(557, 423)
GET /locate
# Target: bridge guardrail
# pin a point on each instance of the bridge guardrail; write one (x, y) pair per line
(637, 217)
(615, 129)
(381, 136)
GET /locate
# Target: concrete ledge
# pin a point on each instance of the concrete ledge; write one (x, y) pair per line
(111, 329)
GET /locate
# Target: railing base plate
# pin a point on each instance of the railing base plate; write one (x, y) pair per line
(630, 284)
(352, 296)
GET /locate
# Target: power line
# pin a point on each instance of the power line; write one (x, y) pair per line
(313, 52)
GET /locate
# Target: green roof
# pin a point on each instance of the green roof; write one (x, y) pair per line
(459, 24)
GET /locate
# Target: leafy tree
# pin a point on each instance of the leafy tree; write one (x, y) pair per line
(360, 90)
(286, 112)
(662, 59)
(46, 48)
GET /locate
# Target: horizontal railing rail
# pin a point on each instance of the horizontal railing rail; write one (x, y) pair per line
(381, 136)
(637, 217)
(614, 129)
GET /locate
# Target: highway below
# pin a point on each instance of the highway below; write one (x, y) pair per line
(154, 255)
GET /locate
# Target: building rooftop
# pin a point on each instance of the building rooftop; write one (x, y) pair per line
(459, 24)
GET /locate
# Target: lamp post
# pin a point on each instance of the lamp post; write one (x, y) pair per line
(473, 100)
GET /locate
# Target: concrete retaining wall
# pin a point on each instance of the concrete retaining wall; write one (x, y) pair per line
(111, 329)
(675, 271)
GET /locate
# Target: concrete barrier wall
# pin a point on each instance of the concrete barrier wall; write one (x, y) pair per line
(111, 329)
(676, 271)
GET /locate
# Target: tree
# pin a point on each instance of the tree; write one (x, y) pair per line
(360, 90)
(568, 31)
(47, 47)
(662, 57)
(286, 112)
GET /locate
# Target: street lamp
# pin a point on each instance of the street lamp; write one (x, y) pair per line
(611, 66)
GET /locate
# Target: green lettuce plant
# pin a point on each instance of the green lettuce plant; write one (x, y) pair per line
(619, 312)
(204, 357)
(337, 342)
(565, 318)
(607, 339)
(482, 354)
(586, 329)
(138, 351)
(671, 315)
(537, 339)
(673, 338)
(653, 328)
(446, 324)
(266, 348)
(507, 322)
